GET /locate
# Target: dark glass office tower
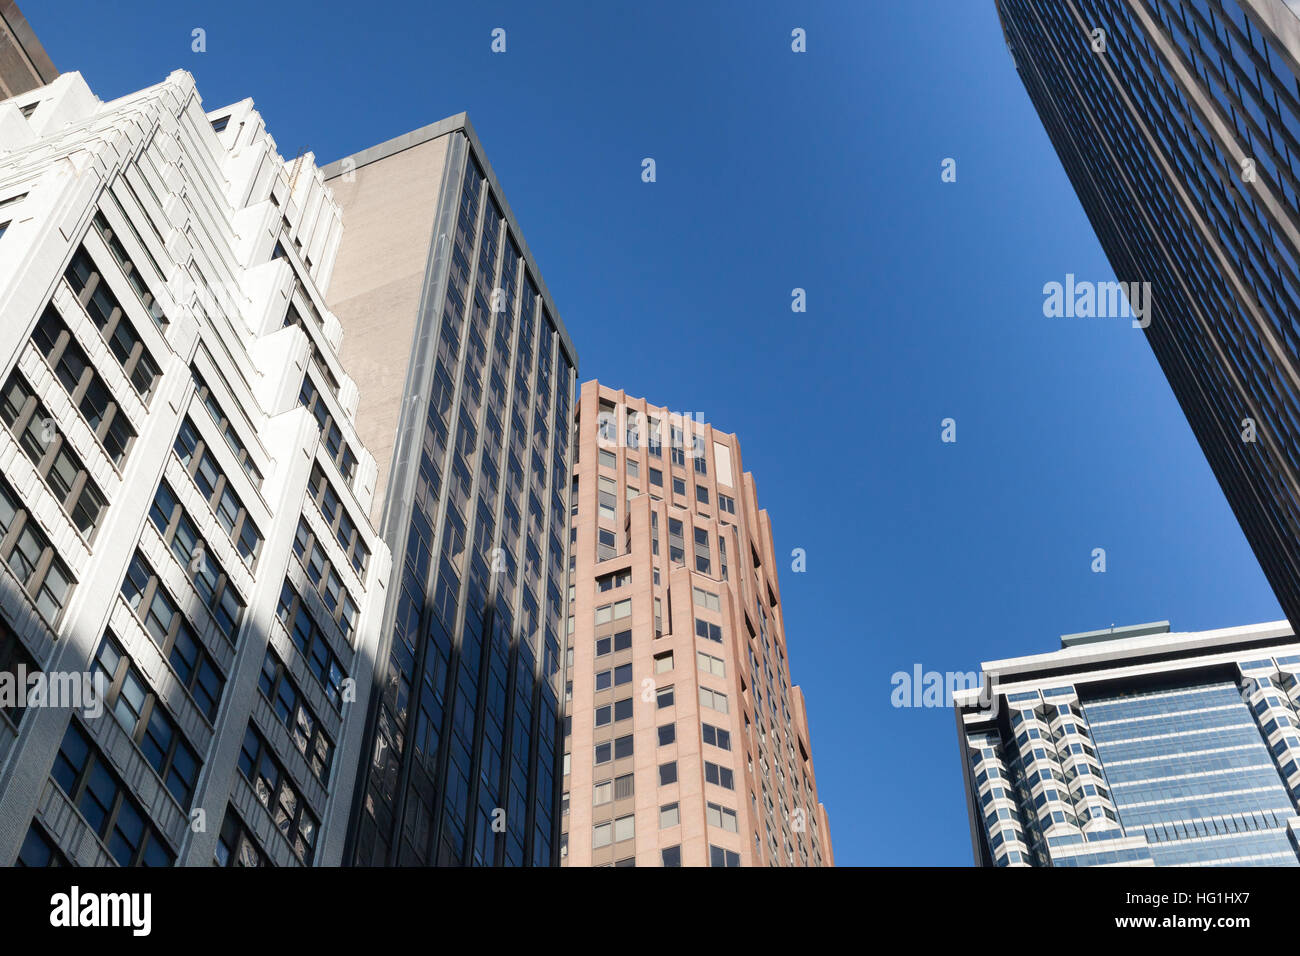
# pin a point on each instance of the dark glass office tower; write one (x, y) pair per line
(1178, 122)
(473, 447)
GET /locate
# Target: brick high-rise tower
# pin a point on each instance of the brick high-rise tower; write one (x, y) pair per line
(685, 743)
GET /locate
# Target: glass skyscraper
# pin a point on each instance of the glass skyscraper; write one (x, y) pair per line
(1178, 122)
(1135, 746)
(473, 447)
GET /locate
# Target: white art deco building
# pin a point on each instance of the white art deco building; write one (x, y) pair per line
(183, 499)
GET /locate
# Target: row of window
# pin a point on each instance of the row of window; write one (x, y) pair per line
(111, 320)
(276, 790)
(320, 571)
(215, 487)
(51, 454)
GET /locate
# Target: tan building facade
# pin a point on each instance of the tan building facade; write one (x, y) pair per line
(686, 744)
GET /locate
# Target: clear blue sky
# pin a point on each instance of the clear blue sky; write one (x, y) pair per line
(776, 171)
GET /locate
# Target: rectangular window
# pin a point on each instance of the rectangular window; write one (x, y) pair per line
(601, 835)
(324, 577)
(711, 665)
(713, 700)
(602, 793)
(664, 697)
(624, 786)
(727, 503)
(720, 857)
(667, 734)
(708, 631)
(663, 662)
(717, 737)
(720, 816)
(671, 855)
(341, 524)
(669, 816)
(721, 776)
(624, 828)
(706, 599)
(667, 773)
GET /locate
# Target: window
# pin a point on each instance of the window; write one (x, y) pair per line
(312, 644)
(87, 390)
(29, 109)
(38, 850)
(721, 776)
(663, 662)
(237, 846)
(604, 753)
(213, 484)
(615, 579)
(633, 469)
(602, 793)
(172, 632)
(192, 553)
(669, 816)
(95, 789)
(727, 503)
(624, 828)
(619, 642)
(292, 710)
(667, 773)
(667, 734)
(601, 835)
(679, 486)
(720, 816)
(13, 200)
(219, 124)
(50, 452)
(4, 227)
(315, 560)
(276, 791)
(713, 699)
(340, 523)
(720, 857)
(14, 660)
(31, 557)
(656, 478)
(151, 728)
(116, 329)
(623, 747)
(707, 599)
(664, 697)
(606, 547)
(717, 737)
(702, 550)
(624, 786)
(711, 665)
(708, 631)
(608, 459)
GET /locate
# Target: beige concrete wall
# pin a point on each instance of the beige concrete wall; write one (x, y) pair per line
(388, 212)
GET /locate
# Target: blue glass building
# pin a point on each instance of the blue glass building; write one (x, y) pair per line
(1136, 746)
(1178, 123)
